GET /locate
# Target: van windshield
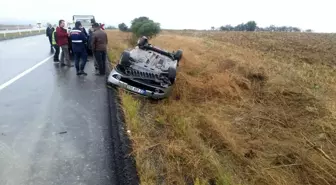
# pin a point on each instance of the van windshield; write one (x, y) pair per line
(85, 22)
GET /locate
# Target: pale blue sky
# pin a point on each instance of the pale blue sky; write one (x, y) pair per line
(318, 15)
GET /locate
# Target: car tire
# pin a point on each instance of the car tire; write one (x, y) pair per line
(125, 59)
(178, 55)
(142, 42)
(171, 74)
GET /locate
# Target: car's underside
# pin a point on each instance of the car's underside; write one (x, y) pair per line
(148, 68)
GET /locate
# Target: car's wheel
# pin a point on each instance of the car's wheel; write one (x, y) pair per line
(125, 59)
(172, 74)
(142, 41)
(178, 55)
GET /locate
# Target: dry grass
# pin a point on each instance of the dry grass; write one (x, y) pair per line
(247, 108)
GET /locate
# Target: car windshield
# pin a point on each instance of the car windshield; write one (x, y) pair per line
(85, 22)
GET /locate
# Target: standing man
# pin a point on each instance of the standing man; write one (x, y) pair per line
(99, 47)
(70, 45)
(87, 37)
(49, 32)
(78, 40)
(54, 44)
(62, 41)
(91, 30)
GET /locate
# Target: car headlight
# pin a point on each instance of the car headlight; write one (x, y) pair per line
(116, 76)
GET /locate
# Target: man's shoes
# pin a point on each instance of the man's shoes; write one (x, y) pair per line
(56, 60)
(62, 64)
(81, 73)
(70, 65)
(84, 73)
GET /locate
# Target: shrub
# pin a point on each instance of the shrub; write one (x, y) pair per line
(123, 27)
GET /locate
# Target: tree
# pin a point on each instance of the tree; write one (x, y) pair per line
(223, 28)
(123, 27)
(227, 27)
(260, 29)
(309, 30)
(140, 19)
(272, 28)
(250, 26)
(240, 27)
(283, 28)
(295, 29)
(143, 26)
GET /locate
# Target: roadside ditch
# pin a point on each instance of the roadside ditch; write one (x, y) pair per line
(125, 166)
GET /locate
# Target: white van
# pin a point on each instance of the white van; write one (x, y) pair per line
(84, 19)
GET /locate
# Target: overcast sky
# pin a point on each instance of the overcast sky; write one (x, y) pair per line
(318, 15)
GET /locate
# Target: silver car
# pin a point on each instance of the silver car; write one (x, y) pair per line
(146, 70)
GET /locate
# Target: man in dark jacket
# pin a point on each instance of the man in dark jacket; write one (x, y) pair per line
(78, 40)
(87, 38)
(49, 32)
(62, 41)
(99, 47)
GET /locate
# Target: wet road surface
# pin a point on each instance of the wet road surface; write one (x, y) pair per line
(54, 125)
(20, 54)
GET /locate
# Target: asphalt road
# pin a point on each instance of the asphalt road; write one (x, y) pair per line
(54, 125)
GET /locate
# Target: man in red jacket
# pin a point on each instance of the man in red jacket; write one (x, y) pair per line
(62, 40)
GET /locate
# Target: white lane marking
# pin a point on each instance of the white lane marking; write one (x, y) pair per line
(2, 86)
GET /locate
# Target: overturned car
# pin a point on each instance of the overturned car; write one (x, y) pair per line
(146, 70)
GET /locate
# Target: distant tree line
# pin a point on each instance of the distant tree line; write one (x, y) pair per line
(252, 26)
(110, 28)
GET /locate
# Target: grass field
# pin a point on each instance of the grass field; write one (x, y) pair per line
(247, 108)
(17, 35)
